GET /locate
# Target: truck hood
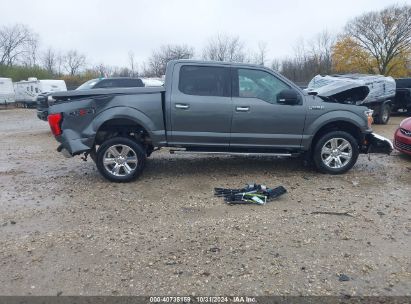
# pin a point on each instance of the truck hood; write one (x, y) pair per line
(352, 88)
(335, 88)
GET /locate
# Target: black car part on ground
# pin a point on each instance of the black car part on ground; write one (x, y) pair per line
(379, 144)
(250, 194)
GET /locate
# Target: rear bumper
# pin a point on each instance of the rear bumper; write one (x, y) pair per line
(64, 151)
(402, 142)
(378, 144)
(72, 147)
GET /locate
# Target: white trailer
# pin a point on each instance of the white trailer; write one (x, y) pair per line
(7, 95)
(28, 90)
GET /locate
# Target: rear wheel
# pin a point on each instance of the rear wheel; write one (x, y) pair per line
(384, 116)
(335, 152)
(120, 159)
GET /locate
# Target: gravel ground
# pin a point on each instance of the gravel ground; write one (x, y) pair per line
(65, 230)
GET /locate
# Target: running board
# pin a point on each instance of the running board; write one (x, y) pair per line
(233, 153)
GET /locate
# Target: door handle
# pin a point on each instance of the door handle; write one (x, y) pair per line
(182, 106)
(242, 109)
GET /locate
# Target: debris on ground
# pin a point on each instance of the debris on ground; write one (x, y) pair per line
(343, 277)
(333, 213)
(250, 194)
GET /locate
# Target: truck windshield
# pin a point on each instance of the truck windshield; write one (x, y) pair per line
(88, 85)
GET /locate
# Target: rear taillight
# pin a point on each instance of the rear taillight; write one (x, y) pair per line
(55, 123)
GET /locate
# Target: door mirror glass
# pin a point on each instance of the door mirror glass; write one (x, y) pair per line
(288, 97)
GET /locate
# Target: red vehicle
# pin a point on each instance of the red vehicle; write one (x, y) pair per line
(402, 137)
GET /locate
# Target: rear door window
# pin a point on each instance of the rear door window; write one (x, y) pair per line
(205, 81)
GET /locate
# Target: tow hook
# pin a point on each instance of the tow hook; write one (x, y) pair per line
(84, 158)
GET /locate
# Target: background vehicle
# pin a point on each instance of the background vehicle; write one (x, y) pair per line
(402, 100)
(28, 90)
(113, 82)
(402, 137)
(153, 82)
(7, 95)
(373, 91)
(210, 107)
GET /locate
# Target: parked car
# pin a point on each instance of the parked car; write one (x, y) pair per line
(402, 100)
(98, 83)
(211, 107)
(402, 137)
(373, 91)
(113, 82)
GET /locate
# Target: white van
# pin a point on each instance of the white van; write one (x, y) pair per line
(7, 95)
(28, 90)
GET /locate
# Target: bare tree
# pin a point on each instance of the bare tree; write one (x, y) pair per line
(261, 56)
(310, 58)
(158, 61)
(275, 65)
(321, 52)
(17, 43)
(73, 62)
(132, 64)
(103, 70)
(122, 72)
(224, 48)
(384, 34)
(59, 63)
(30, 56)
(49, 60)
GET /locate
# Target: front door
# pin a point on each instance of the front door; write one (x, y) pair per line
(259, 121)
(201, 106)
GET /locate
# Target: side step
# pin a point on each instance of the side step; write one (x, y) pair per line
(234, 153)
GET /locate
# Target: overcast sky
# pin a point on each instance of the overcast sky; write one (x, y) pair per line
(105, 31)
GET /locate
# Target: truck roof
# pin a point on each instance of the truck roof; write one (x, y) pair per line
(207, 62)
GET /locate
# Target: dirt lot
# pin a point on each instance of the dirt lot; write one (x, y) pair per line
(65, 230)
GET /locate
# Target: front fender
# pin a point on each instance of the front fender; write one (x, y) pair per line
(314, 124)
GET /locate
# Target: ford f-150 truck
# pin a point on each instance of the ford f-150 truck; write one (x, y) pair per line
(210, 107)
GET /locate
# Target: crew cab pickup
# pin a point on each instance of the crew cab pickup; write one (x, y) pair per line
(210, 107)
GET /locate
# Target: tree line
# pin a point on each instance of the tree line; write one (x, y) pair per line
(374, 42)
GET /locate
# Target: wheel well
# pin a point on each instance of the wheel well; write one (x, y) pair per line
(338, 126)
(123, 127)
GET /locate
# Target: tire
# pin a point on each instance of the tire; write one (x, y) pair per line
(335, 152)
(384, 115)
(120, 159)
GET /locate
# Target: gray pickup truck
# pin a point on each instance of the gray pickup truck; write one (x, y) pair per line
(210, 107)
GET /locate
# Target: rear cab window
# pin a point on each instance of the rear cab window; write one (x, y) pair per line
(205, 81)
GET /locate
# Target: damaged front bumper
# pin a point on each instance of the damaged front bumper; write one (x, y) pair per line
(375, 143)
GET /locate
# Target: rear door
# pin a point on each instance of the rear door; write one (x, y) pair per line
(259, 121)
(200, 105)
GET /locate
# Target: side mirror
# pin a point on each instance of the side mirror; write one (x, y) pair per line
(288, 97)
